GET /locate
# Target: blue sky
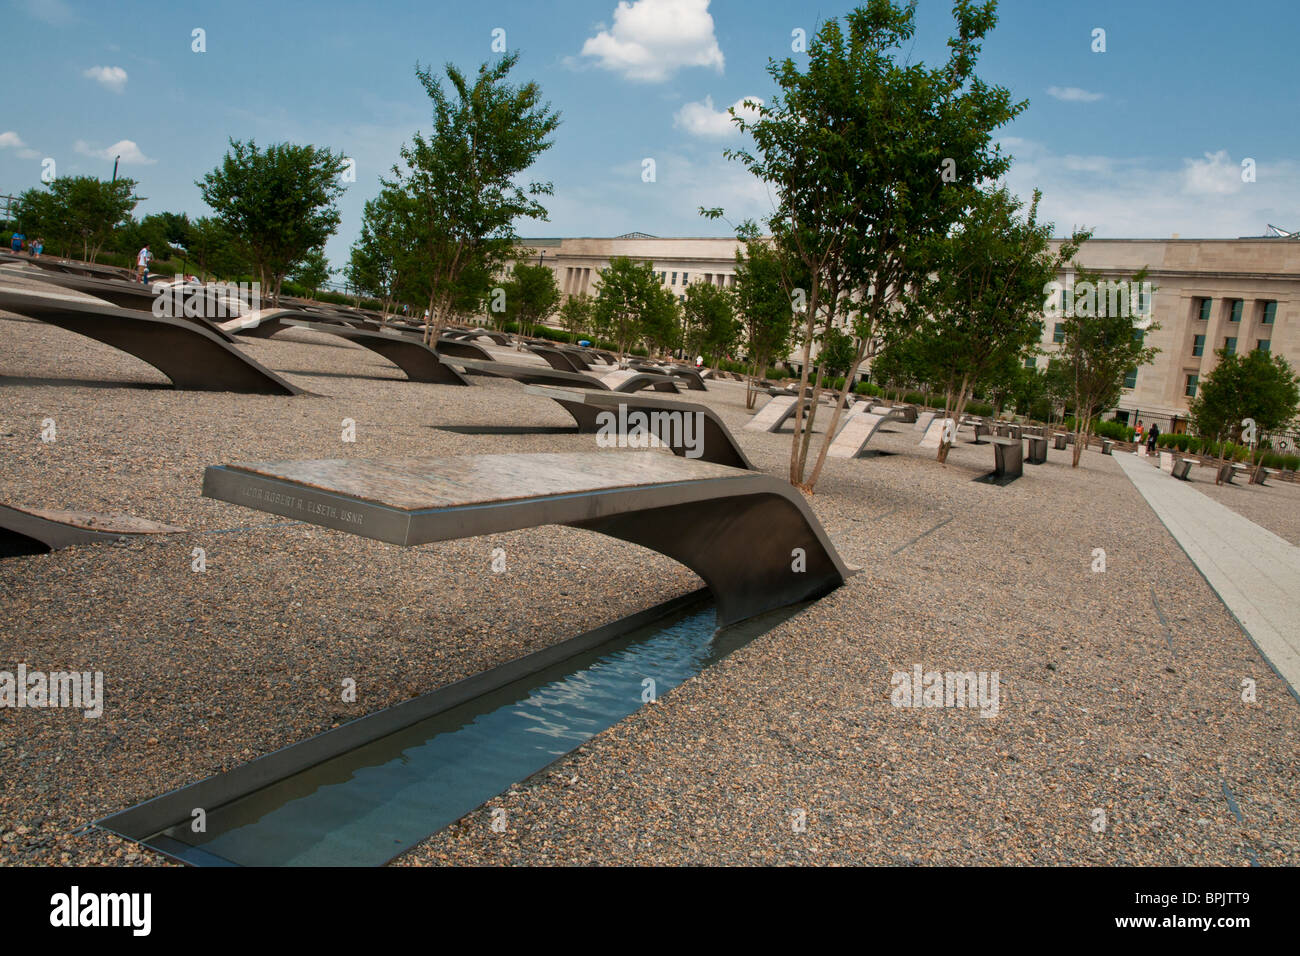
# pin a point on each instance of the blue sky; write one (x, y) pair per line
(1143, 140)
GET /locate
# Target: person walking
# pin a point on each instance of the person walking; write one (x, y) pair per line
(1152, 434)
(142, 264)
(1137, 437)
(16, 242)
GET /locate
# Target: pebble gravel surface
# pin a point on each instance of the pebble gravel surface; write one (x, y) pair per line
(1121, 735)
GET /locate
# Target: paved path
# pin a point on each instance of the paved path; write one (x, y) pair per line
(1254, 572)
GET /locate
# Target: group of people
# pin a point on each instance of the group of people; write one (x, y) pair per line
(1151, 435)
(34, 248)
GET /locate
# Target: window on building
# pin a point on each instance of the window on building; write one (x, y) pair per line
(681, 298)
(1204, 315)
(1230, 345)
(1190, 389)
(1029, 362)
(1198, 344)
(1234, 311)
(686, 277)
(1131, 379)
(674, 278)
(1058, 333)
(1264, 345)
(1270, 313)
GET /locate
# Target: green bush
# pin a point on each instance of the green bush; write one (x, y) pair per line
(979, 409)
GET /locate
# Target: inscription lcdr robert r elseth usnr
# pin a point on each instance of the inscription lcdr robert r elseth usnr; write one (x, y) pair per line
(303, 506)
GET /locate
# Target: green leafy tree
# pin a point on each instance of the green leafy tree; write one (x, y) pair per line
(214, 250)
(712, 329)
(1247, 397)
(980, 306)
(661, 318)
(1099, 351)
(575, 315)
(762, 303)
(837, 352)
(462, 179)
(531, 296)
(625, 291)
(870, 154)
(77, 211)
(312, 271)
(279, 203)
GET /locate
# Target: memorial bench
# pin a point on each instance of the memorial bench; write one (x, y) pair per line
(26, 531)
(417, 360)
(595, 411)
(736, 529)
(1008, 458)
(193, 357)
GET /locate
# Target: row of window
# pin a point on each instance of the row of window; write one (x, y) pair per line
(1235, 308)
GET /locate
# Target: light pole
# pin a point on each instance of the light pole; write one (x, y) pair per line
(115, 159)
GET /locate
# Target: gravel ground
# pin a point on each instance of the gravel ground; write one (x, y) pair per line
(1110, 701)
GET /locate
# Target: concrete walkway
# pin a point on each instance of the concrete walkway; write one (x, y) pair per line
(1254, 572)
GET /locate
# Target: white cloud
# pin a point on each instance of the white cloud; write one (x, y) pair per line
(1215, 175)
(1126, 197)
(127, 149)
(110, 77)
(1073, 94)
(701, 119)
(11, 140)
(652, 39)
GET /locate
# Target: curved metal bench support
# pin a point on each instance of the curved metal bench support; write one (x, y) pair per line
(417, 360)
(462, 349)
(714, 441)
(741, 531)
(192, 357)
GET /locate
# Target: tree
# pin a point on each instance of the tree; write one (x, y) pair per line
(869, 155)
(575, 315)
(77, 210)
(532, 296)
(661, 318)
(837, 351)
(312, 271)
(1102, 345)
(711, 325)
(461, 180)
(279, 203)
(980, 305)
(214, 249)
(1255, 395)
(625, 291)
(762, 304)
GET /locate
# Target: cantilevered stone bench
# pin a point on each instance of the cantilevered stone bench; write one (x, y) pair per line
(193, 357)
(921, 423)
(1107, 446)
(981, 429)
(934, 432)
(1058, 441)
(858, 430)
(39, 530)
(1182, 468)
(261, 324)
(617, 381)
(665, 419)
(1008, 458)
(417, 360)
(555, 358)
(459, 349)
(770, 418)
(1037, 449)
(140, 297)
(736, 529)
(688, 375)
